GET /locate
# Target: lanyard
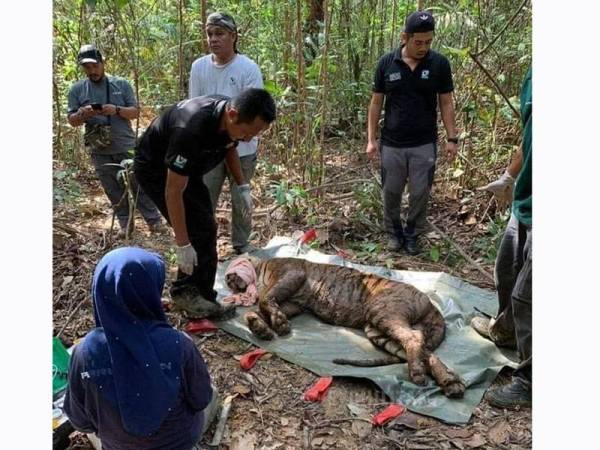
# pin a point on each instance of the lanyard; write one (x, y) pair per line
(107, 95)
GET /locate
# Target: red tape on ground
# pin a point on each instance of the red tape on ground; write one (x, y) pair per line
(248, 360)
(392, 411)
(317, 391)
(200, 326)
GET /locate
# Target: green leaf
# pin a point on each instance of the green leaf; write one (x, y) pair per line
(273, 88)
(434, 254)
(462, 52)
(457, 172)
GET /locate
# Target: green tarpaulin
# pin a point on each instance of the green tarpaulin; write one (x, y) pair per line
(313, 344)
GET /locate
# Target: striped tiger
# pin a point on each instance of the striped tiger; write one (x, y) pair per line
(395, 316)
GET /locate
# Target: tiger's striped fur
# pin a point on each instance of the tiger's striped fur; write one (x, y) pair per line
(395, 316)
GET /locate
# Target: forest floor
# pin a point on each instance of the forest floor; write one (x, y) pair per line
(268, 412)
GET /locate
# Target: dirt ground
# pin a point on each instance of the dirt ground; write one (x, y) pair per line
(268, 412)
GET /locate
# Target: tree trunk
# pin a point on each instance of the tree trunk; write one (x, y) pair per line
(203, 43)
(324, 87)
(316, 14)
(180, 59)
(393, 33)
(299, 125)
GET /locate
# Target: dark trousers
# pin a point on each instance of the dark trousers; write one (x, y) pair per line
(513, 281)
(201, 227)
(106, 167)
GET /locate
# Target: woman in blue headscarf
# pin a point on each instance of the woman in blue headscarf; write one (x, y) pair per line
(134, 380)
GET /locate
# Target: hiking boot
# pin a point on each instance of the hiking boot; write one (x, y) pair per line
(514, 394)
(248, 248)
(197, 307)
(157, 228)
(122, 232)
(411, 247)
(394, 244)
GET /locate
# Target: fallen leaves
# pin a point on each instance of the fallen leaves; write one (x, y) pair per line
(499, 433)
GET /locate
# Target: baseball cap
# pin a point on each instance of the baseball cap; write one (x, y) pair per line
(222, 20)
(419, 22)
(88, 53)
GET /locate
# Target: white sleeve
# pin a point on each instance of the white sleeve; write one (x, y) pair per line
(253, 78)
(194, 83)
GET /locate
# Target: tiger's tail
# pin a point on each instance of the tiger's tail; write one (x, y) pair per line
(384, 361)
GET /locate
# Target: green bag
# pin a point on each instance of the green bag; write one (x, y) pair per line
(60, 365)
(97, 136)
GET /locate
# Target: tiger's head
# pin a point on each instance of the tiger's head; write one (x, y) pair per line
(241, 272)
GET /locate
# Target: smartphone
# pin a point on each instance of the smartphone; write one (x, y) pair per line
(97, 106)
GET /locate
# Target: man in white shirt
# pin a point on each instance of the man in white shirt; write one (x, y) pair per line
(224, 71)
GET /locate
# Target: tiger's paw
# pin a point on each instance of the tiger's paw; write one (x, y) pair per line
(259, 327)
(416, 372)
(454, 389)
(280, 323)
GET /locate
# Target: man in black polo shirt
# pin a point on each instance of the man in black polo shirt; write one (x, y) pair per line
(181, 145)
(411, 79)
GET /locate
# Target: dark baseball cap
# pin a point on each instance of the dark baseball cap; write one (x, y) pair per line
(222, 20)
(88, 53)
(419, 22)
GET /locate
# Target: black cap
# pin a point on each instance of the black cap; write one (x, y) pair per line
(88, 53)
(419, 22)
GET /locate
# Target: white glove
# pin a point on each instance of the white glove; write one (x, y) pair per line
(187, 258)
(244, 191)
(502, 188)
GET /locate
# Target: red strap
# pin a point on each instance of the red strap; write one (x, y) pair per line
(309, 236)
(394, 410)
(200, 326)
(248, 360)
(317, 391)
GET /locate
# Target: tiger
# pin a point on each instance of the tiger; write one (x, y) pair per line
(395, 316)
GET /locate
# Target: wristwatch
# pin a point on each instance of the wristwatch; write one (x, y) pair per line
(454, 140)
(118, 110)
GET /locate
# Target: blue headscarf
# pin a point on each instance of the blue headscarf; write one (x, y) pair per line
(133, 356)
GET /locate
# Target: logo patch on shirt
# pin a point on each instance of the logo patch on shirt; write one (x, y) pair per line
(425, 75)
(395, 76)
(180, 162)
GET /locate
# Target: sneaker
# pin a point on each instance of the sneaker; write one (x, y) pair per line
(394, 244)
(157, 228)
(514, 394)
(484, 327)
(248, 248)
(411, 247)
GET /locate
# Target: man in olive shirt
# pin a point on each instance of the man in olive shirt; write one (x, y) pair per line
(176, 151)
(512, 327)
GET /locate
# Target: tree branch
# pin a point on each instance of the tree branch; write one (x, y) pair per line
(503, 28)
(496, 85)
